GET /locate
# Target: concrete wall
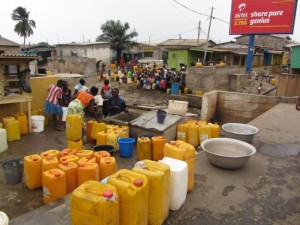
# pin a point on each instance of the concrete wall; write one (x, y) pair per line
(223, 106)
(209, 78)
(289, 85)
(264, 40)
(98, 51)
(73, 65)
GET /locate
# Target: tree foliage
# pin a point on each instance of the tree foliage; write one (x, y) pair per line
(118, 35)
(24, 26)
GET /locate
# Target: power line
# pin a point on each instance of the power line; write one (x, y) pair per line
(202, 14)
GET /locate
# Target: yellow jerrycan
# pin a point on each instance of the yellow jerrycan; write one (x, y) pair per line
(54, 185)
(68, 151)
(49, 163)
(87, 171)
(84, 153)
(182, 132)
(13, 130)
(133, 189)
(204, 132)
(23, 120)
(193, 135)
(71, 171)
(108, 166)
(157, 145)
(89, 159)
(89, 128)
(97, 127)
(51, 153)
(78, 144)
(74, 127)
(215, 130)
(143, 150)
(94, 203)
(33, 171)
(186, 152)
(69, 158)
(158, 175)
(101, 138)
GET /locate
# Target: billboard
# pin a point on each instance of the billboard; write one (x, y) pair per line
(262, 16)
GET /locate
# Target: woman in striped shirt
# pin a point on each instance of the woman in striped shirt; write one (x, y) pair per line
(54, 104)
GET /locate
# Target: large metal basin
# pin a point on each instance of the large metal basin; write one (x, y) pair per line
(240, 131)
(227, 153)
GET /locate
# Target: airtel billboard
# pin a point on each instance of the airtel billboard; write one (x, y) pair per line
(262, 16)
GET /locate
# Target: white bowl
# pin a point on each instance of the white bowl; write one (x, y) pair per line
(227, 153)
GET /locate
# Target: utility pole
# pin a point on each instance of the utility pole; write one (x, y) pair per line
(149, 43)
(199, 29)
(212, 9)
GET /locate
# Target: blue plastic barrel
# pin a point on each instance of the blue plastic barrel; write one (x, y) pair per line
(175, 88)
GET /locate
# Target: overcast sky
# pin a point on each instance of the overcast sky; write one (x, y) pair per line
(68, 21)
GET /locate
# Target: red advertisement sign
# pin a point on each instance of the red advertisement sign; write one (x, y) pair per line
(262, 16)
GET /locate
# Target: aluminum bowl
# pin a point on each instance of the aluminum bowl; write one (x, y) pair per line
(227, 153)
(240, 131)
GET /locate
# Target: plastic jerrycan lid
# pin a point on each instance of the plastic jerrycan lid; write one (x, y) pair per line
(138, 182)
(107, 194)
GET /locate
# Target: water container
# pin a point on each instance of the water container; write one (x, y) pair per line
(182, 132)
(161, 115)
(71, 171)
(101, 138)
(178, 182)
(112, 139)
(88, 159)
(94, 203)
(97, 127)
(143, 149)
(215, 130)
(100, 149)
(183, 151)
(69, 158)
(204, 133)
(175, 88)
(13, 130)
(185, 90)
(74, 127)
(51, 153)
(99, 154)
(54, 185)
(108, 166)
(87, 171)
(13, 171)
(78, 144)
(4, 220)
(37, 123)
(68, 151)
(193, 135)
(84, 153)
(22, 118)
(7, 119)
(157, 145)
(1, 125)
(126, 146)
(65, 112)
(133, 191)
(159, 189)
(168, 91)
(89, 128)
(49, 163)
(33, 171)
(3, 140)
(177, 107)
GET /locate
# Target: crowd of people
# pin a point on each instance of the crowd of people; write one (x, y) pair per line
(145, 76)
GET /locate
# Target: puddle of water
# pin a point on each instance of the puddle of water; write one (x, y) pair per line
(281, 150)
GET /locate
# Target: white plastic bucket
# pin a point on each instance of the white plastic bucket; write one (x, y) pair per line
(3, 141)
(3, 218)
(37, 123)
(65, 111)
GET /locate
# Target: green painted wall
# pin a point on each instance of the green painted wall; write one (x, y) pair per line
(176, 57)
(295, 57)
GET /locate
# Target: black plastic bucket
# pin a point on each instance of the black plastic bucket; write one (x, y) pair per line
(13, 171)
(110, 149)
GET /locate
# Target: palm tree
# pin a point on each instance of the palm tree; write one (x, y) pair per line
(117, 34)
(24, 25)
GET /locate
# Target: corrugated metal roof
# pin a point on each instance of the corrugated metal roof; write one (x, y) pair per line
(6, 42)
(83, 43)
(183, 42)
(14, 56)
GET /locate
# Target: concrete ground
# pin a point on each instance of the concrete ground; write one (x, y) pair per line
(265, 191)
